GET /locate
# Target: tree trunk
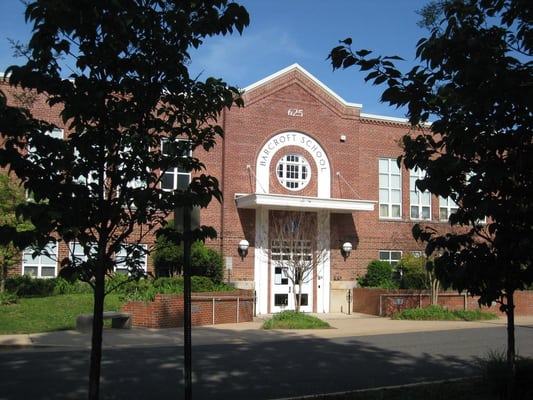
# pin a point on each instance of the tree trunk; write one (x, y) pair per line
(3, 279)
(434, 291)
(296, 304)
(96, 348)
(511, 354)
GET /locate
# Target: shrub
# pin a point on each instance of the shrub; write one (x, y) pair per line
(430, 313)
(63, 286)
(379, 274)
(168, 260)
(146, 289)
(167, 257)
(204, 284)
(414, 272)
(435, 313)
(169, 285)
(26, 286)
(8, 298)
(207, 262)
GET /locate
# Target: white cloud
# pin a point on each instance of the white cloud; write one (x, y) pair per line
(236, 59)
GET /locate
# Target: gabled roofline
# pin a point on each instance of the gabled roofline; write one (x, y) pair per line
(297, 67)
(376, 117)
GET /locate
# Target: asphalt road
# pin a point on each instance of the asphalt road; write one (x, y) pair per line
(240, 369)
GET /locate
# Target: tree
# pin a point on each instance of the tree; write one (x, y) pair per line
(168, 259)
(133, 117)
(475, 82)
(11, 196)
(295, 249)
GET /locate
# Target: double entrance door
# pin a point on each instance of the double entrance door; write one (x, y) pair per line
(292, 272)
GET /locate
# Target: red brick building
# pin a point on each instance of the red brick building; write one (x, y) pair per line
(297, 146)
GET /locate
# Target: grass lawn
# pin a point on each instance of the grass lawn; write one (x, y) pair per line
(46, 314)
(294, 320)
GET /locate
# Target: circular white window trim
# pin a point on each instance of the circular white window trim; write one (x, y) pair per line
(293, 171)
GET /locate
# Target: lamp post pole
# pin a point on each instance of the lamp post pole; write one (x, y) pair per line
(183, 225)
(187, 342)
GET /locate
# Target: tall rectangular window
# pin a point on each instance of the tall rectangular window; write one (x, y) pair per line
(390, 189)
(176, 177)
(446, 207)
(130, 253)
(420, 201)
(43, 265)
(77, 252)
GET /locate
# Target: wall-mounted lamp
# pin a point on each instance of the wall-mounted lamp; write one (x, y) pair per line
(346, 249)
(243, 248)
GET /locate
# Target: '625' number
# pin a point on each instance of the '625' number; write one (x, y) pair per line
(295, 112)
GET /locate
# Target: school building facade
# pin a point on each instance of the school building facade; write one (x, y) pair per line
(298, 147)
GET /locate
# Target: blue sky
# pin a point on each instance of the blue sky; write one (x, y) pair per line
(284, 32)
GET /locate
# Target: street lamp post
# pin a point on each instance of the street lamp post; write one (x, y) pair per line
(187, 341)
(182, 224)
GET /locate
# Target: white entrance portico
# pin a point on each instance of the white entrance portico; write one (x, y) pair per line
(270, 285)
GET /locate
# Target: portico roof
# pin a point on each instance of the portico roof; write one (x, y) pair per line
(290, 202)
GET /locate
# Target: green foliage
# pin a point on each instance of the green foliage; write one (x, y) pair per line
(125, 94)
(438, 313)
(26, 286)
(63, 286)
(205, 284)
(494, 370)
(474, 82)
(207, 262)
(118, 284)
(168, 259)
(414, 272)
(8, 298)
(294, 320)
(379, 274)
(11, 196)
(146, 289)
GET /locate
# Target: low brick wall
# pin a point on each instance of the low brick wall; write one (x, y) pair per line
(386, 302)
(166, 311)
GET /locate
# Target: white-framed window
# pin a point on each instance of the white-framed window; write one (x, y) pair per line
(293, 171)
(55, 133)
(283, 250)
(129, 251)
(446, 207)
(390, 189)
(77, 252)
(43, 265)
(135, 183)
(420, 201)
(177, 177)
(391, 256)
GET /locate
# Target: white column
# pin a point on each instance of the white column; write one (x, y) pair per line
(324, 268)
(261, 260)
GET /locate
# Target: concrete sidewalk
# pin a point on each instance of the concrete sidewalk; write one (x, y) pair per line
(342, 325)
